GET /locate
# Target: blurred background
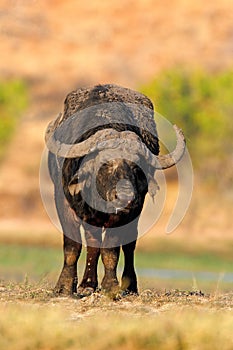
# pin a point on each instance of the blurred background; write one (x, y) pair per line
(177, 52)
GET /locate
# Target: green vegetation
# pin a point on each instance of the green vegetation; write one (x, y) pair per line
(184, 261)
(202, 105)
(35, 263)
(13, 100)
(41, 260)
(29, 260)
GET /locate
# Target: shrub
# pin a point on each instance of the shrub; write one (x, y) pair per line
(202, 105)
(13, 100)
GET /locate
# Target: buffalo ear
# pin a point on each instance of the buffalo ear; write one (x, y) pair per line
(153, 187)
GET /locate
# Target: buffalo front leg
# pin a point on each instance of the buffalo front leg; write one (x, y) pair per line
(67, 282)
(110, 257)
(129, 279)
(90, 281)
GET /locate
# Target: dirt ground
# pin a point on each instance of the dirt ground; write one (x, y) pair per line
(149, 301)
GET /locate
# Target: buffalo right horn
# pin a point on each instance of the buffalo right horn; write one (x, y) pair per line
(161, 162)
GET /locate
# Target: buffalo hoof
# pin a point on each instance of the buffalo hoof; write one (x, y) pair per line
(127, 292)
(62, 290)
(111, 288)
(83, 292)
(66, 286)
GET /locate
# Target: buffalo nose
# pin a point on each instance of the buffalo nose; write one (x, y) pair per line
(125, 198)
(124, 192)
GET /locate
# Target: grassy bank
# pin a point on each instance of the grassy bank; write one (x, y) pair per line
(18, 262)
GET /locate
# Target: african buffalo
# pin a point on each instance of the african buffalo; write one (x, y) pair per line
(103, 154)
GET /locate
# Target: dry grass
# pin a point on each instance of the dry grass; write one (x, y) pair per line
(32, 318)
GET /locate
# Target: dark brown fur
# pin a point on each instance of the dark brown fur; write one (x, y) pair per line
(73, 210)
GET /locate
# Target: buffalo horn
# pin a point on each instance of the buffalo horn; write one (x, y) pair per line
(110, 138)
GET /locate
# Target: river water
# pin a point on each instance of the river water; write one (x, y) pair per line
(182, 274)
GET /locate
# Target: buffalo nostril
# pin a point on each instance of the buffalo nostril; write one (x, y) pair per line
(125, 198)
(124, 191)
